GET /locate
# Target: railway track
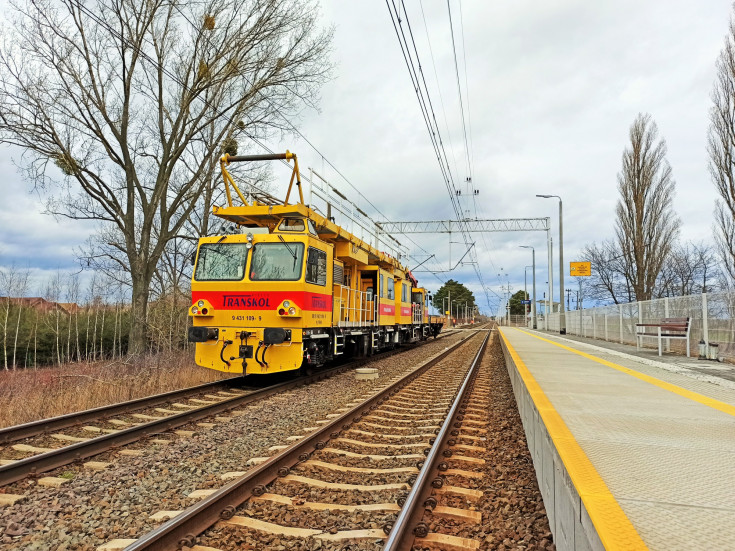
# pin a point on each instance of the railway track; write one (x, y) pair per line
(363, 476)
(34, 448)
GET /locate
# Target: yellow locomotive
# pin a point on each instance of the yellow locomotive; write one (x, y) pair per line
(294, 290)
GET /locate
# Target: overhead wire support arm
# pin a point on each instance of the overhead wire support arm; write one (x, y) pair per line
(450, 269)
(424, 262)
(450, 226)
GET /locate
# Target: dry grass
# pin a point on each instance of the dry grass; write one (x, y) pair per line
(28, 395)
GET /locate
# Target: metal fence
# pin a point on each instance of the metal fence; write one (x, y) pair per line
(712, 320)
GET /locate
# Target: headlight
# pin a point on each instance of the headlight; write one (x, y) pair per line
(292, 310)
(286, 304)
(249, 237)
(200, 303)
(194, 310)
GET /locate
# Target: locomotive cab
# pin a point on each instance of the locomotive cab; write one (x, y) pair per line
(254, 294)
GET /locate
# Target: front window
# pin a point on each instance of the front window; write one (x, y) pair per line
(404, 293)
(382, 286)
(291, 224)
(391, 287)
(276, 261)
(221, 262)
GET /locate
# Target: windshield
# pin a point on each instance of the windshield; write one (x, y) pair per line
(221, 262)
(277, 261)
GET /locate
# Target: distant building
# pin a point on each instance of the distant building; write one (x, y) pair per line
(40, 304)
(541, 306)
(70, 307)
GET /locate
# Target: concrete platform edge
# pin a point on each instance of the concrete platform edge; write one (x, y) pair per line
(568, 518)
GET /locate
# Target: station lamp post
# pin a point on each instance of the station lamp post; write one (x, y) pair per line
(533, 269)
(562, 317)
(526, 296)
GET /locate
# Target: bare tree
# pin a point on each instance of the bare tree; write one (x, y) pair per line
(8, 278)
(607, 282)
(13, 284)
(690, 268)
(721, 150)
(20, 290)
(646, 225)
(133, 101)
(52, 293)
(73, 296)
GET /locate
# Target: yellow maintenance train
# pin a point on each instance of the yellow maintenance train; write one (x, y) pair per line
(293, 290)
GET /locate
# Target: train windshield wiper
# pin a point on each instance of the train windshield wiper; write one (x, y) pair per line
(293, 253)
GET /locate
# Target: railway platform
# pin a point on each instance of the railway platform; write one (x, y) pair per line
(631, 451)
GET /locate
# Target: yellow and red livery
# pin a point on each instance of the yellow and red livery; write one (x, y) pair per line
(292, 289)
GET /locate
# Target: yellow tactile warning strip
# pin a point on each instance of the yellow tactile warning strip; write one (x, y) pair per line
(613, 526)
(694, 396)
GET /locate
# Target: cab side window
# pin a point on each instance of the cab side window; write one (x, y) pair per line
(391, 288)
(382, 286)
(404, 293)
(316, 267)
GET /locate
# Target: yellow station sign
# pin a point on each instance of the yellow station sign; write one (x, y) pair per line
(580, 268)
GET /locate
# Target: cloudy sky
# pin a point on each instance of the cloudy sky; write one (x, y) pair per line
(553, 88)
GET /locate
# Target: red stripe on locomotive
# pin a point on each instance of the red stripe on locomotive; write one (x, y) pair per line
(264, 300)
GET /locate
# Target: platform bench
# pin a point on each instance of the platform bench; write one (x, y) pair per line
(667, 328)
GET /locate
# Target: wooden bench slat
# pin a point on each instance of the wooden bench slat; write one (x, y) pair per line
(667, 328)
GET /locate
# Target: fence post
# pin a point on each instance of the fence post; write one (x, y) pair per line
(594, 323)
(666, 315)
(620, 309)
(606, 327)
(705, 327)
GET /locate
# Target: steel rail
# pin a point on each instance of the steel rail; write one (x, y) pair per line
(46, 461)
(406, 527)
(182, 530)
(53, 459)
(34, 428)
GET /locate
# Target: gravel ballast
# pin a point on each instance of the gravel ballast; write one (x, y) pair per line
(97, 506)
(513, 513)
(438, 385)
